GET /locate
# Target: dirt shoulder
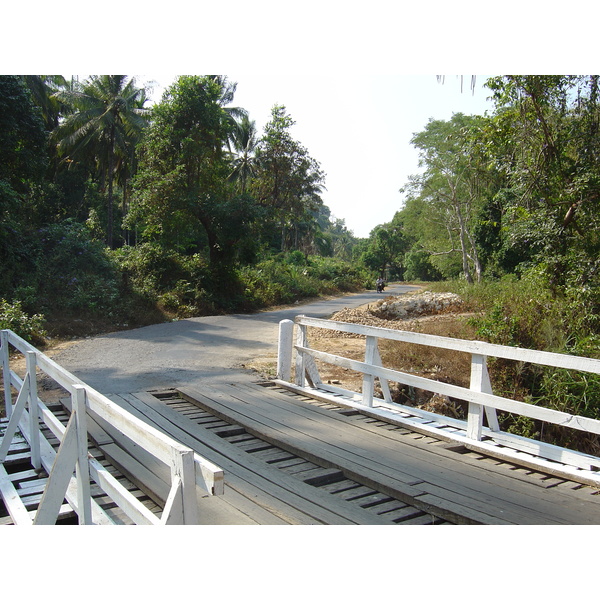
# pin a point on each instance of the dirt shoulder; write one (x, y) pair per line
(447, 319)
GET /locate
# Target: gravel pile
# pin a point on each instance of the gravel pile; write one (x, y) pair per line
(417, 305)
(393, 312)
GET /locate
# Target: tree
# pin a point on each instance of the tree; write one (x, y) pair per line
(22, 163)
(550, 153)
(43, 89)
(22, 137)
(106, 118)
(385, 250)
(244, 163)
(452, 184)
(182, 197)
(289, 181)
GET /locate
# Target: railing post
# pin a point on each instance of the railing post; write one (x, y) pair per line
(368, 386)
(301, 341)
(285, 350)
(480, 382)
(34, 421)
(4, 348)
(82, 467)
(6, 372)
(181, 507)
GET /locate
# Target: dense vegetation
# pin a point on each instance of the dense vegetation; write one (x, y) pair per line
(116, 214)
(121, 214)
(507, 208)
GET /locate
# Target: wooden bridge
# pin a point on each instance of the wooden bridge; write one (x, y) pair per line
(292, 452)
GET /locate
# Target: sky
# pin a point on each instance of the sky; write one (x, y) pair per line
(357, 127)
(359, 79)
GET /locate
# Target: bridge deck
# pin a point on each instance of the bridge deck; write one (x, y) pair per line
(289, 459)
(297, 460)
(418, 470)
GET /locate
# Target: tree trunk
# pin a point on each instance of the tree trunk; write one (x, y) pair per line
(109, 213)
(463, 244)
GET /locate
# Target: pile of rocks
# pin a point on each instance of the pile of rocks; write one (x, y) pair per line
(394, 313)
(416, 305)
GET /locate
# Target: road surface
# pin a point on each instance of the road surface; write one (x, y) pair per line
(192, 351)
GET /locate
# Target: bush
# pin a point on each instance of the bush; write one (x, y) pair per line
(178, 284)
(29, 327)
(286, 278)
(70, 274)
(418, 267)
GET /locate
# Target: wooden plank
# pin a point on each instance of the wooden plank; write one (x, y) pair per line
(427, 462)
(487, 447)
(13, 502)
(374, 426)
(272, 422)
(288, 497)
(241, 486)
(362, 472)
(273, 396)
(209, 476)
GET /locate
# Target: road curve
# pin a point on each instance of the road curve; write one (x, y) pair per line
(191, 351)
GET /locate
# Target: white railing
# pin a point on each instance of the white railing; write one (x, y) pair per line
(71, 467)
(482, 402)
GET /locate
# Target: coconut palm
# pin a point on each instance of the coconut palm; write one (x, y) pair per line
(244, 143)
(106, 117)
(43, 88)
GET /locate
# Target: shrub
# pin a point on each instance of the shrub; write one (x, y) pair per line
(70, 273)
(418, 267)
(29, 327)
(286, 278)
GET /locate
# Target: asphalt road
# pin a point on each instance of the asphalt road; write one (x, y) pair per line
(191, 351)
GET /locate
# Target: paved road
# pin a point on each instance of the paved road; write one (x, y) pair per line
(189, 351)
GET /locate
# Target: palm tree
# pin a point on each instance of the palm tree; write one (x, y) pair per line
(106, 118)
(244, 141)
(43, 88)
(227, 91)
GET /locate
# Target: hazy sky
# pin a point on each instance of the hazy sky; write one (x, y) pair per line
(359, 78)
(358, 126)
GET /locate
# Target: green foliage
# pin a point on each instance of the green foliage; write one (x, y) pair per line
(383, 253)
(418, 267)
(74, 273)
(22, 135)
(176, 283)
(183, 200)
(29, 327)
(525, 313)
(287, 278)
(288, 181)
(62, 272)
(101, 128)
